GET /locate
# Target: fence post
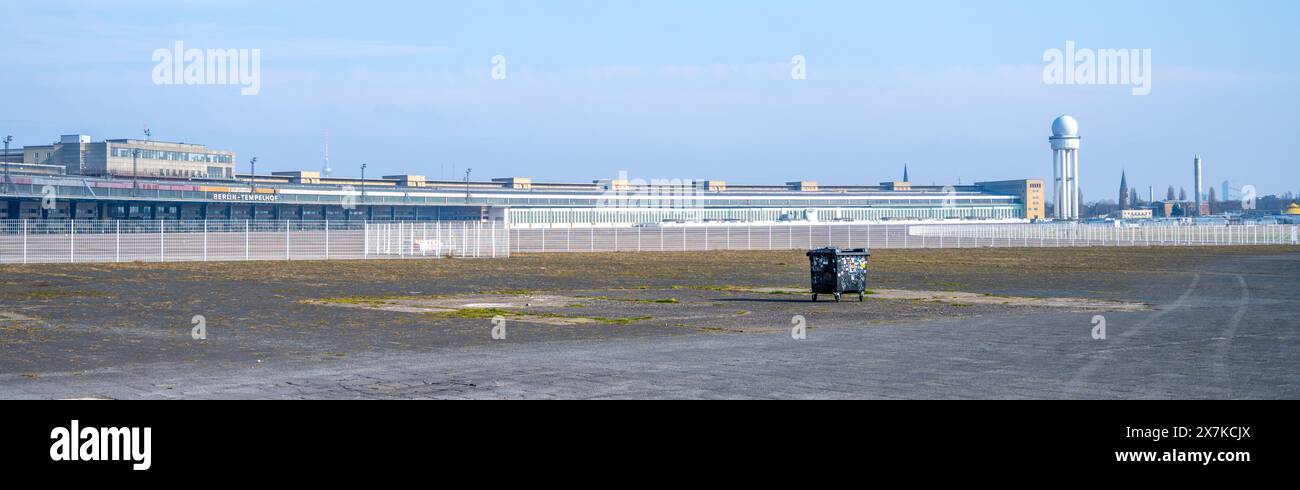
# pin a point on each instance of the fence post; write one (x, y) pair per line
(286, 239)
(205, 240)
(24, 241)
(327, 239)
(246, 231)
(72, 237)
(162, 243)
(117, 241)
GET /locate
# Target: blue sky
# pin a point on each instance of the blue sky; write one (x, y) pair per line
(675, 89)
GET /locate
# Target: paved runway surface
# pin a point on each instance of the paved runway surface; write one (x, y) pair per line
(1227, 328)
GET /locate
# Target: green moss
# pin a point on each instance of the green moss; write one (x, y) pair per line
(633, 300)
(362, 301)
(511, 292)
(484, 313)
(477, 313)
(620, 321)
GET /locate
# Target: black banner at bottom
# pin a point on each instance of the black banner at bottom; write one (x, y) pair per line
(315, 440)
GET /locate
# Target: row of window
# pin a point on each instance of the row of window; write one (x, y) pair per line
(563, 216)
(175, 156)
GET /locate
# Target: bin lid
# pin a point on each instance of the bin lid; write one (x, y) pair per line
(839, 251)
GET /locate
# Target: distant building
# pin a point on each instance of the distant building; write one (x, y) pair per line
(193, 182)
(13, 155)
(1178, 209)
(1030, 191)
(78, 155)
(1230, 191)
(1147, 213)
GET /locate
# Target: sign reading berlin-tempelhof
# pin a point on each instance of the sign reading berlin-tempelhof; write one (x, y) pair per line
(180, 66)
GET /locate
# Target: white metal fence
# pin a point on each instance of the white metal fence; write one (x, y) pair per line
(853, 235)
(1083, 235)
(48, 241)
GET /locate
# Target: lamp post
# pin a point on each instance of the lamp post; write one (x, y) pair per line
(135, 172)
(252, 170)
(467, 171)
(7, 140)
(363, 182)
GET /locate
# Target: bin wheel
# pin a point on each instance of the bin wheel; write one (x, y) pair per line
(814, 297)
(861, 297)
(837, 297)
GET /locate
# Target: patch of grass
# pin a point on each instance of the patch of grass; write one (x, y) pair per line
(634, 300)
(790, 293)
(483, 313)
(48, 294)
(511, 292)
(620, 321)
(713, 288)
(361, 301)
(475, 313)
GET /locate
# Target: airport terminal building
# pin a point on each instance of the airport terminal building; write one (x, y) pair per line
(149, 180)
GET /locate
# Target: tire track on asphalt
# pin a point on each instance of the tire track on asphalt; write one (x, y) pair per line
(1076, 383)
(1221, 353)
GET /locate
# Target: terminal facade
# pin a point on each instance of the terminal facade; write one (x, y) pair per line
(148, 180)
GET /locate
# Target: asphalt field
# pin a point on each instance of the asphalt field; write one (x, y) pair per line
(969, 323)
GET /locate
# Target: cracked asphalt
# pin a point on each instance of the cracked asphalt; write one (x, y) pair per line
(1221, 323)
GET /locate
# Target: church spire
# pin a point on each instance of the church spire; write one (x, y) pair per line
(1123, 190)
(905, 179)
